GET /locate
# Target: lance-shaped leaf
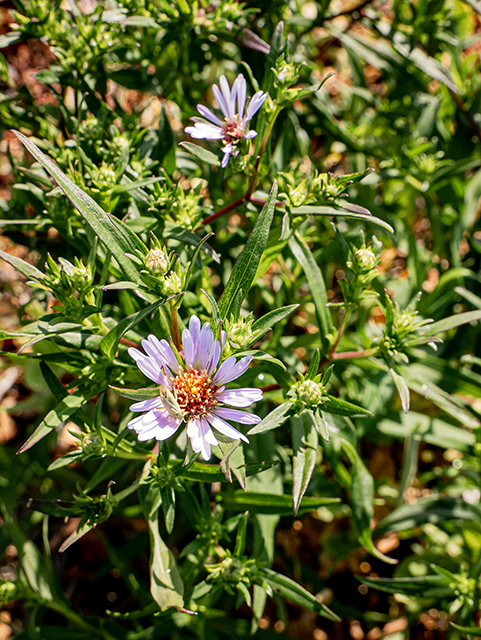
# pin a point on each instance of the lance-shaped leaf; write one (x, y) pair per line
(362, 498)
(26, 269)
(344, 212)
(245, 268)
(114, 234)
(212, 472)
(303, 254)
(402, 389)
(304, 444)
(450, 323)
(110, 342)
(296, 593)
(233, 460)
(425, 586)
(265, 323)
(201, 154)
(270, 502)
(344, 408)
(137, 394)
(275, 419)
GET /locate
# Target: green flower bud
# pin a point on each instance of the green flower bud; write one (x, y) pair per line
(92, 444)
(239, 333)
(171, 285)
(365, 260)
(310, 393)
(157, 261)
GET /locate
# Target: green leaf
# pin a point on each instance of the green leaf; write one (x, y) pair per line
(26, 269)
(213, 473)
(265, 323)
(362, 498)
(240, 541)
(261, 355)
(168, 506)
(269, 502)
(303, 254)
(62, 412)
(245, 268)
(166, 585)
(325, 210)
(421, 586)
(343, 408)
(201, 153)
(233, 460)
(475, 631)
(311, 372)
(296, 593)
(402, 389)
(137, 394)
(116, 236)
(82, 529)
(274, 420)
(450, 323)
(429, 509)
(110, 341)
(322, 426)
(304, 444)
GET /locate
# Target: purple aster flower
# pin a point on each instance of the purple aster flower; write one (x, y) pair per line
(233, 128)
(192, 392)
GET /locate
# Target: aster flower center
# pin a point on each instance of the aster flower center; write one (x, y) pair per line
(233, 130)
(194, 392)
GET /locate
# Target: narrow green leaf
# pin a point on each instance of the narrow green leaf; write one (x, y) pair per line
(362, 498)
(269, 502)
(475, 631)
(402, 389)
(295, 592)
(451, 322)
(274, 420)
(325, 210)
(113, 233)
(137, 394)
(304, 444)
(201, 154)
(425, 586)
(166, 584)
(212, 472)
(62, 412)
(233, 460)
(192, 264)
(311, 372)
(26, 269)
(321, 424)
(110, 341)
(245, 268)
(240, 541)
(303, 254)
(265, 323)
(340, 407)
(261, 355)
(168, 506)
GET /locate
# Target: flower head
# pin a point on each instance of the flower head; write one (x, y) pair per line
(192, 391)
(233, 127)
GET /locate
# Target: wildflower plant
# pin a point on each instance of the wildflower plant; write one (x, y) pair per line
(242, 351)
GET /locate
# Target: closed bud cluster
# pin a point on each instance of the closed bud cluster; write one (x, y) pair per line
(365, 259)
(92, 444)
(239, 332)
(171, 284)
(310, 393)
(157, 261)
(104, 177)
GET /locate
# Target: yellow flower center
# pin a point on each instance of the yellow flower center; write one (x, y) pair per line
(194, 392)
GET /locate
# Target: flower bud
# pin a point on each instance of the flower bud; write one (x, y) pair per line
(157, 261)
(365, 259)
(239, 333)
(310, 393)
(171, 285)
(92, 444)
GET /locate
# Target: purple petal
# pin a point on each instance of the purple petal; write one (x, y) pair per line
(220, 99)
(238, 416)
(207, 113)
(194, 328)
(240, 397)
(241, 95)
(229, 96)
(147, 366)
(197, 430)
(188, 346)
(205, 131)
(250, 134)
(225, 428)
(206, 346)
(146, 405)
(230, 370)
(255, 104)
(227, 151)
(154, 424)
(214, 361)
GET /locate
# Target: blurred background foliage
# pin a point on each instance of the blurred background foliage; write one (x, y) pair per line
(106, 89)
